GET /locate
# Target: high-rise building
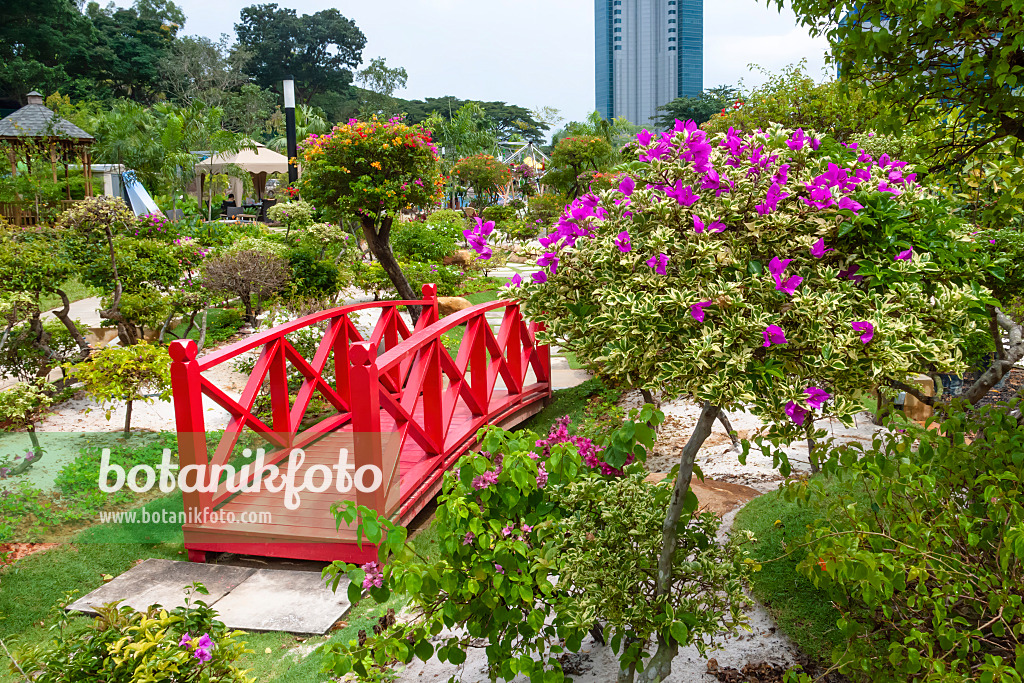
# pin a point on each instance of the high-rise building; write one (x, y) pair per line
(648, 52)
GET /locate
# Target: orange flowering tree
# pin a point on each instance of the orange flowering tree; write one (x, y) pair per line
(485, 174)
(372, 170)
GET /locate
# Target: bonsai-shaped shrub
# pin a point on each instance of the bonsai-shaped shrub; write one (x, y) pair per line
(126, 373)
(297, 215)
(484, 174)
(373, 170)
(253, 275)
(102, 217)
(772, 270)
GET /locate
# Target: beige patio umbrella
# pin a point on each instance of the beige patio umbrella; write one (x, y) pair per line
(258, 162)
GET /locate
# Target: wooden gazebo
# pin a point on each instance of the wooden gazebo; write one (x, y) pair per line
(35, 131)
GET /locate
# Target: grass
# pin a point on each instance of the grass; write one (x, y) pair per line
(34, 587)
(452, 339)
(75, 290)
(803, 612)
(221, 323)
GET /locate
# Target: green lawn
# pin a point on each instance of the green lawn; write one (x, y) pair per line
(32, 589)
(803, 612)
(75, 290)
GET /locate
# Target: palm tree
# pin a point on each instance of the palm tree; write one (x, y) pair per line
(188, 130)
(308, 121)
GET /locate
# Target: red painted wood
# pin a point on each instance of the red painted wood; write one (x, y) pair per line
(414, 390)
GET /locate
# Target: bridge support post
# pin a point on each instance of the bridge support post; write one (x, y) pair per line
(429, 304)
(366, 419)
(191, 425)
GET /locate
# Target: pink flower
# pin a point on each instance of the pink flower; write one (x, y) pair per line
(374, 576)
(816, 397)
(484, 480)
(527, 528)
(774, 335)
(468, 538)
(498, 568)
(658, 263)
(542, 476)
(797, 414)
(904, 255)
(622, 242)
(540, 277)
(866, 329)
(697, 310)
(507, 531)
(819, 249)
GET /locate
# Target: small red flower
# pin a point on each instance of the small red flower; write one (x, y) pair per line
(821, 563)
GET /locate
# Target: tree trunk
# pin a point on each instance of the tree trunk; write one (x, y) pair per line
(380, 246)
(724, 419)
(202, 331)
(659, 666)
(1010, 354)
(62, 315)
(128, 420)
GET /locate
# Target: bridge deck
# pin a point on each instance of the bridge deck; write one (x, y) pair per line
(426, 422)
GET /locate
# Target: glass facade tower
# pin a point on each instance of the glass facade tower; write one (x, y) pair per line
(648, 52)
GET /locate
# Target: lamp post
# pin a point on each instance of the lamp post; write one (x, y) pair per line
(289, 124)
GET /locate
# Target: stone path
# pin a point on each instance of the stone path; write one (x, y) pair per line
(245, 598)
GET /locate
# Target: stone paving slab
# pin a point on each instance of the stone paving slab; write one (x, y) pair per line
(245, 598)
(162, 582)
(275, 600)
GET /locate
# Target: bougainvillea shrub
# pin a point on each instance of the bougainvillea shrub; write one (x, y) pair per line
(773, 270)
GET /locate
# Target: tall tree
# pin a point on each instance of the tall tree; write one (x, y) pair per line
(131, 43)
(44, 45)
(508, 119)
(319, 50)
(698, 109)
(198, 68)
(967, 55)
(379, 83)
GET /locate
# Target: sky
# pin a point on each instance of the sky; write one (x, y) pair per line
(531, 53)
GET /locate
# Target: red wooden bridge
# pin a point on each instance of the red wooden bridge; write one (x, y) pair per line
(397, 401)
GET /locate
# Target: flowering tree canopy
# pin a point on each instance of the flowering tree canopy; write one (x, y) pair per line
(372, 169)
(772, 270)
(748, 269)
(485, 174)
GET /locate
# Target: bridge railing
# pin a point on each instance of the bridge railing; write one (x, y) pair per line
(392, 381)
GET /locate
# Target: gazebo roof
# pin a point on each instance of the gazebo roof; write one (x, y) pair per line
(36, 121)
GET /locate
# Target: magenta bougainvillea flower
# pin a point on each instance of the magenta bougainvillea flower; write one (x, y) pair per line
(516, 281)
(797, 413)
(773, 334)
(644, 137)
(203, 647)
(468, 538)
(622, 242)
(797, 141)
(904, 255)
(549, 259)
(658, 263)
(816, 397)
(698, 224)
(788, 286)
(540, 277)
(697, 310)
(866, 329)
(627, 185)
(682, 194)
(850, 273)
(777, 265)
(819, 249)
(374, 576)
